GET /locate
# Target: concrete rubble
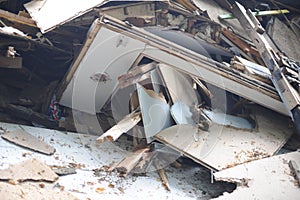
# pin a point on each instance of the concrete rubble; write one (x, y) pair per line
(180, 99)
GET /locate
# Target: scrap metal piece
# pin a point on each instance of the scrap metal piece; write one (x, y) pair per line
(155, 112)
(268, 178)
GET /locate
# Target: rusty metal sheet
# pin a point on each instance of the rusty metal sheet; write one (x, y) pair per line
(224, 147)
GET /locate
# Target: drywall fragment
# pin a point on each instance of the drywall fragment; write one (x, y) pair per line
(269, 178)
(24, 139)
(30, 192)
(127, 123)
(31, 169)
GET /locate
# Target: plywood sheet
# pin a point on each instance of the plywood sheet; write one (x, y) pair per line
(269, 178)
(24, 139)
(31, 169)
(223, 147)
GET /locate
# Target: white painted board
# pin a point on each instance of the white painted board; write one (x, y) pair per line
(224, 147)
(269, 178)
(50, 13)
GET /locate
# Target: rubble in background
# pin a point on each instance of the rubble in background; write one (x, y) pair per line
(177, 75)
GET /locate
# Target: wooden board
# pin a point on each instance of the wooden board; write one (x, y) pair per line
(24, 139)
(223, 147)
(30, 192)
(269, 178)
(121, 127)
(31, 169)
(128, 163)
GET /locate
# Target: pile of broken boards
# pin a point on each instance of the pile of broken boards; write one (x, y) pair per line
(170, 74)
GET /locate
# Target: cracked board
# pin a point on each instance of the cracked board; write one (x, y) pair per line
(224, 147)
(269, 178)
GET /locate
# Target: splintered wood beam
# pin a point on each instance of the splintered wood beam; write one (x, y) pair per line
(129, 163)
(136, 74)
(162, 175)
(127, 123)
(17, 18)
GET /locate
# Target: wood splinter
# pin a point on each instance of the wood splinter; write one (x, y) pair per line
(129, 163)
(162, 175)
(123, 126)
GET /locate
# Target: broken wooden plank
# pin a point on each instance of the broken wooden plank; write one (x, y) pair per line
(127, 123)
(128, 163)
(32, 191)
(31, 169)
(257, 13)
(24, 139)
(136, 74)
(222, 147)
(269, 178)
(244, 46)
(162, 175)
(17, 18)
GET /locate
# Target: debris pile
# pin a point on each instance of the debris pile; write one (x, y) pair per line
(206, 80)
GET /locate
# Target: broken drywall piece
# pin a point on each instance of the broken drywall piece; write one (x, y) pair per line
(29, 191)
(181, 114)
(269, 178)
(223, 147)
(155, 112)
(24, 139)
(121, 127)
(31, 169)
